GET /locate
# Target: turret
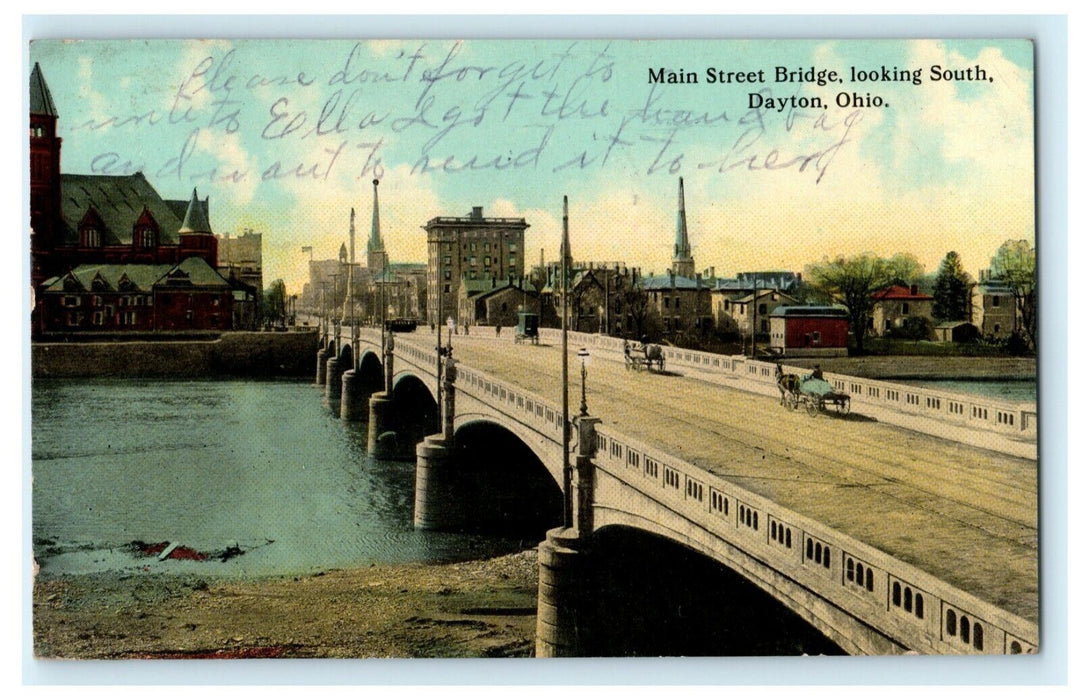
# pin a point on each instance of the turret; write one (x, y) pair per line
(44, 163)
(683, 265)
(196, 238)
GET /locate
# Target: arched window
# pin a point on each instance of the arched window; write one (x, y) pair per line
(952, 623)
(860, 574)
(978, 636)
(964, 629)
(818, 553)
(849, 568)
(773, 530)
(755, 521)
(896, 594)
(788, 538)
(826, 557)
(811, 550)
(868, 582)
(908, 602)
(1016, 648)
(920, 607)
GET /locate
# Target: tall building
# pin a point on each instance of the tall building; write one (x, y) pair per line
(470, 247)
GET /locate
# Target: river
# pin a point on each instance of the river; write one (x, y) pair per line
(213, 465)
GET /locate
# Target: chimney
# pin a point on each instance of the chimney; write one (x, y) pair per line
(672, 279)
(477, 215)
(913, 289)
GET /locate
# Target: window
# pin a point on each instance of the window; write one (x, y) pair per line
(446, 259)
(762, 308)
(488, 258)
(905, 308)
(446, 274)
(995, 301)
(952, 623)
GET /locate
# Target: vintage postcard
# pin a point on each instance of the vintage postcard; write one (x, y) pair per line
(427, 348)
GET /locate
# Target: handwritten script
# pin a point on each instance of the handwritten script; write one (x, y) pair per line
(441, 112)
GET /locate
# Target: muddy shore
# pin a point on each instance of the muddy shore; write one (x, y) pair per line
(483, 608)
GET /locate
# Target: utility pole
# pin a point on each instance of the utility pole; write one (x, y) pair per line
(565, 252)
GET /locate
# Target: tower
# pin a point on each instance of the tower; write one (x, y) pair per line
(45, 198)
(196, 238)
(377, 255)
(683, 265)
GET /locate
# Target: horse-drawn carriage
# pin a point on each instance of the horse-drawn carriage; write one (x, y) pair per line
(646, 356)
(526, 329)
(812, 392)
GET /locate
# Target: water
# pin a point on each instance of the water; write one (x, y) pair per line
(1009, 390)
(213, 464)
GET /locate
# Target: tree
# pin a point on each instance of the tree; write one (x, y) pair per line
(951, 290)
(852, 281)
(274, 303)
(1015, 264)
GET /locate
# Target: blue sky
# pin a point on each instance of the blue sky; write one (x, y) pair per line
(286, 136)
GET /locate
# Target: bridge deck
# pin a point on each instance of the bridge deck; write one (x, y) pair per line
(965, 515)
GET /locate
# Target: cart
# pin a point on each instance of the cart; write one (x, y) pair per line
(526, 329)
(816, 395)
(644, 357)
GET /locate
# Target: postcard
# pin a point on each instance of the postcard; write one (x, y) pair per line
(516, 348)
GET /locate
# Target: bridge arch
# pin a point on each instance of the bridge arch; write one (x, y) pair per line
(415, 412)
(501, 483)
(370, 368)
(345, 357)
(649, 609)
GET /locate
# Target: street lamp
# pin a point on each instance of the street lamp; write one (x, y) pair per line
(584, 359)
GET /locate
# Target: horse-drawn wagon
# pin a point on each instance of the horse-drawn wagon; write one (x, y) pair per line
(812, 392)
(644, 356)
(526, 329)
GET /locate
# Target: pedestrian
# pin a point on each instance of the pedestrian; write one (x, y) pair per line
(498, 327)
(817, 373)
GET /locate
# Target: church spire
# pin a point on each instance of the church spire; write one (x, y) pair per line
(683, 265)
(41, 100)
(377, 256)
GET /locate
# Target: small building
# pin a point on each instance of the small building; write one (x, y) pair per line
(809, 331)
(756, 309)
(896, 306)
(992, 307)
(494, 302)
(956, 332)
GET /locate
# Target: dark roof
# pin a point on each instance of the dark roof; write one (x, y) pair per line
(667, 282)
(41, 100)
(119, 200)
(897, 291)
(193, 271)
(814, 311)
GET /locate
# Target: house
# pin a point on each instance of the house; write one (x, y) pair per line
(755, 308)
(896, 306)
(494, 302)
(992, 307)
(809, 331)
(725, 292)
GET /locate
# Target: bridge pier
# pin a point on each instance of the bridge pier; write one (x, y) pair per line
(436, 501)
(562, 594)
(333, 395)
(380, 422)
(321, 367)
(354, 398)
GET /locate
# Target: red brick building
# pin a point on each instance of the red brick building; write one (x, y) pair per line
(809, 331)
(96, 224)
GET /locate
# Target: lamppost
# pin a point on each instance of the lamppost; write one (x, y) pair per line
(584, 359)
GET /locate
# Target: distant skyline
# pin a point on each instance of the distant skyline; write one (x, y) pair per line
(947, 166)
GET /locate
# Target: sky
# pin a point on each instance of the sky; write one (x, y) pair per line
(286, 136)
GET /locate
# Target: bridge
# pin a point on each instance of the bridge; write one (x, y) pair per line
(908, 526)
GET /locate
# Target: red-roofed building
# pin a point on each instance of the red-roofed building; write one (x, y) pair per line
(896, 306)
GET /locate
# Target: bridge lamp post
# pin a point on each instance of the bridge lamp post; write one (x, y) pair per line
(450, 332)
(584, 359)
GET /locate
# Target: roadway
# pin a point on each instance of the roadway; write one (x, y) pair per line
(965, 515)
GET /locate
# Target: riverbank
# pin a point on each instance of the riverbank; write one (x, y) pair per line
(913, 367)
(239, 354)
(481, 608)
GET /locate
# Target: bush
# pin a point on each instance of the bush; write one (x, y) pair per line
(918, 328)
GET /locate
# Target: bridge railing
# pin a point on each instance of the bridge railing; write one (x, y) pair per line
(902, 601)
(1002, 416)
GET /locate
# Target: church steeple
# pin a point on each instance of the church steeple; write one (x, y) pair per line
(683, 265)
(377, 256)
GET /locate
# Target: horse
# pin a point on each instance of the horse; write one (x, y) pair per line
(788, 384)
